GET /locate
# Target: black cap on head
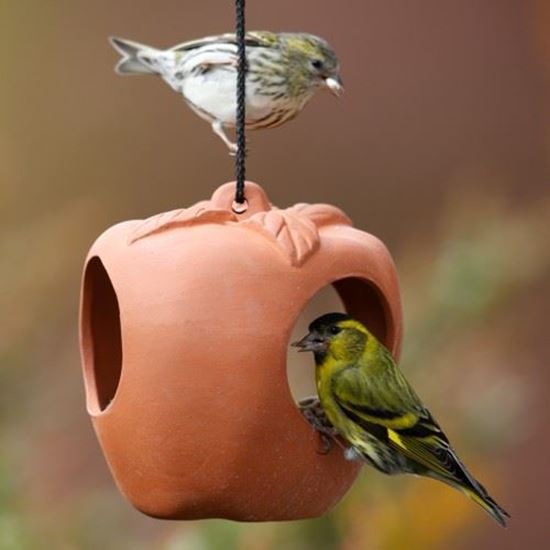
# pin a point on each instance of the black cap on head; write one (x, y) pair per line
(326, 320)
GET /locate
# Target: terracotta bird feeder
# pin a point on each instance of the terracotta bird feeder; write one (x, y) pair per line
(185, 323)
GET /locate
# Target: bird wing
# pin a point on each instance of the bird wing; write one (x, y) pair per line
(381, 396)
(386, 400)
(259, 39)
(202, 55)
(381, 401)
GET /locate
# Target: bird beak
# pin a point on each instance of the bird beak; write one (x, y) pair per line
(334, 84)
(311, 342)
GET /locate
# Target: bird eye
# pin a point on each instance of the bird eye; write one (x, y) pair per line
(334, 329)
(317, 64)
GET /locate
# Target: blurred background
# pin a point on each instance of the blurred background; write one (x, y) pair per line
(440, 147)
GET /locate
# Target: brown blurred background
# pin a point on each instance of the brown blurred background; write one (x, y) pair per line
(440, 146)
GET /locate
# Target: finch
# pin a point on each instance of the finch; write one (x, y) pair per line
(373, 408)
(284, 70)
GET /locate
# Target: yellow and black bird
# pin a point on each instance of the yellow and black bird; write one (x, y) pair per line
(374, 409)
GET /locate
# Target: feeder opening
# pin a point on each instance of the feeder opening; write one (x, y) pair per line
(101, 337)
(351, 295)
(366, 303)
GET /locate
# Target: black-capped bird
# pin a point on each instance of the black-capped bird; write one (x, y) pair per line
(284, 72)
(375, 410)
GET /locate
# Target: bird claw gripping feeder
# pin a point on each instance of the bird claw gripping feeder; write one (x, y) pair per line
(185, 322)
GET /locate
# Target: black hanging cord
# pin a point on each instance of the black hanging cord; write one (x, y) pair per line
(240, 158)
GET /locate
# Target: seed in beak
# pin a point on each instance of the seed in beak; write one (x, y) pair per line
(334, 84)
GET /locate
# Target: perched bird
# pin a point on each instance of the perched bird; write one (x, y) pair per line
(374, 409)
(284, 71)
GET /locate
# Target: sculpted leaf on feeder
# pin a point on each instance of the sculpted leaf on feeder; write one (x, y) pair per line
(321, 214)
(294, 230)
(296, 235)
(182, 217)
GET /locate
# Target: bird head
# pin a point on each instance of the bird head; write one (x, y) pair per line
(337, 335)
(315, 61)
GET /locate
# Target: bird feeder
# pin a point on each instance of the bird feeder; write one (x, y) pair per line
(185, 323)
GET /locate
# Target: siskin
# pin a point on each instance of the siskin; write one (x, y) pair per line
(374, 409)
(284, 71)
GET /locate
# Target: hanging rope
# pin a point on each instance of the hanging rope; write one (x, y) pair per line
(240, 158)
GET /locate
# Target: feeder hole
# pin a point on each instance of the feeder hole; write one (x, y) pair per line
(101, 337)
(351, 295)
(364, 302)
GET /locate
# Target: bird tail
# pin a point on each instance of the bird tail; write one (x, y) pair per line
(457, 476)
(480, 496)
(136, 58)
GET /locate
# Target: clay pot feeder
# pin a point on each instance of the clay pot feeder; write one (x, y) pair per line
(186, 319)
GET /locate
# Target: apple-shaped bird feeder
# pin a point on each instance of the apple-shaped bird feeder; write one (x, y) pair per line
(185, 322)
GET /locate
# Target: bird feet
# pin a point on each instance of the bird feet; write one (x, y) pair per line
(313, 412)
(233, 148)
(219, 130)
